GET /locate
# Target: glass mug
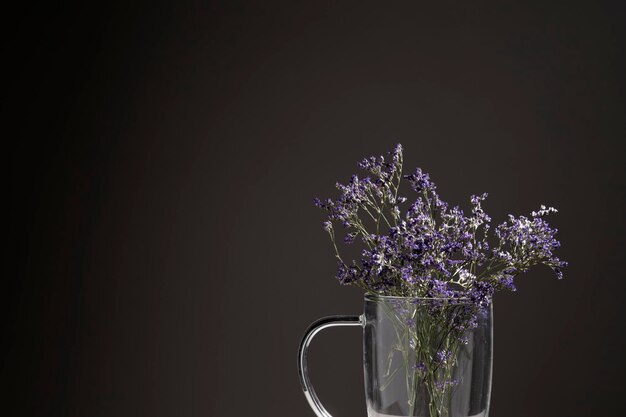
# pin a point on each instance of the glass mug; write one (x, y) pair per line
(421, 357)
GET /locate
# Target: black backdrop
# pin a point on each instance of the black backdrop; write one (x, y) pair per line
(164, 254)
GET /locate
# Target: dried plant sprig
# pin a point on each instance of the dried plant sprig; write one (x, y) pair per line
(432, 250)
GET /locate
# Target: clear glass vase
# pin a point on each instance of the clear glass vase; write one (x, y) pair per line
(421, 356)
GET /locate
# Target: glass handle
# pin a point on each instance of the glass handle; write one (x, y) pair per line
(313, 329)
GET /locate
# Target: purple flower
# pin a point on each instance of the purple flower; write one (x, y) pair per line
(346, 274)
(443, 385)
(420, 367)
(349, 237)
(442, 356)
(420, 181)
(481, 293)
(407, 274)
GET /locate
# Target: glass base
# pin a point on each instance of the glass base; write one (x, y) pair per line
(372, 413)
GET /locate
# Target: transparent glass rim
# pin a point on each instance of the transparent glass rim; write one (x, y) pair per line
(452, 300)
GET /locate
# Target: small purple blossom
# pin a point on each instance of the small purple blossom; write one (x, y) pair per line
(441, 386)
(480, 293)
(420, 367)
(407, 274)
(349, 237)
(443, 356)
(346, 274)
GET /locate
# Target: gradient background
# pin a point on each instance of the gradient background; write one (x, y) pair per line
(165, 256)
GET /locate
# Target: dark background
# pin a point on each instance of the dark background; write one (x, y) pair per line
(164, 253)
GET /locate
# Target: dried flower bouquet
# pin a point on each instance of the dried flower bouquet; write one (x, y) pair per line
(446, 263)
